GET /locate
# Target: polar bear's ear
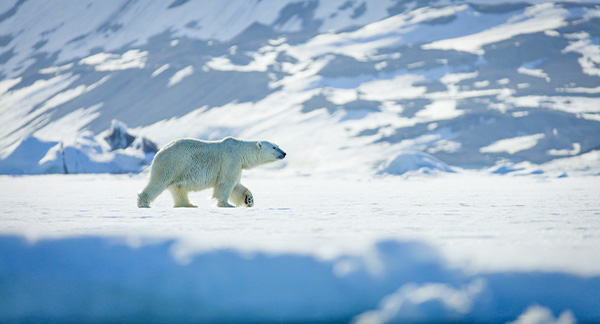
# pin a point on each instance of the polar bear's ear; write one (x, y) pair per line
(258, 145)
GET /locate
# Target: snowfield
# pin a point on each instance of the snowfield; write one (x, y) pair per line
(443, 165)
(466, 246)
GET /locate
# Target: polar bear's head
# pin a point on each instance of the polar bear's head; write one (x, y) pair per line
(269, 152)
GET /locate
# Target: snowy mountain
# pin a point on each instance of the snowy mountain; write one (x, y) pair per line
(382, 87)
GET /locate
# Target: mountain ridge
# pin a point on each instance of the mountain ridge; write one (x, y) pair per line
(459, 81)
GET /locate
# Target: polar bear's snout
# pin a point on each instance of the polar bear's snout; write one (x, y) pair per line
(281, 155)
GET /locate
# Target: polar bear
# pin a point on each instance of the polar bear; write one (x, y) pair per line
(186, 165)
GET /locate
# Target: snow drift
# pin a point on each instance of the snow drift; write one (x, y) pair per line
(100, 279)
(115, 152)
(413, 161)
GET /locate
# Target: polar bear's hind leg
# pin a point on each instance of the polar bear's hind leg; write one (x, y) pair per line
(180, 196)
(142, 200)
(150, 192)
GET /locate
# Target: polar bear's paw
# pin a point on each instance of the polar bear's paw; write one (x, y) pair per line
(142, 201)
(185, 205)
(224, 204)
(248, 199)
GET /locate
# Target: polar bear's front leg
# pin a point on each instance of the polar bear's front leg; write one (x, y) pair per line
(241, 196)
(222, 193)
(248, 199)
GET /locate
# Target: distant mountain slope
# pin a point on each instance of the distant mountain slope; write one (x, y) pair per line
(471, 85)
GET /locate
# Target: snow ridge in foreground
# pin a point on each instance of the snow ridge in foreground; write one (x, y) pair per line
(99, 279)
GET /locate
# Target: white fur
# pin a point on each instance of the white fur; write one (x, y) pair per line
(188, 165)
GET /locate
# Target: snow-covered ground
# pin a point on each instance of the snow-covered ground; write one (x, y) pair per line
(443, 165)
(464, 246)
